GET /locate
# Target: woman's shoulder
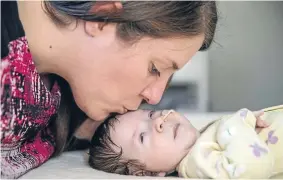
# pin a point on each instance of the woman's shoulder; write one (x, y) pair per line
(25, 100)
(18, 55)
(27, 107)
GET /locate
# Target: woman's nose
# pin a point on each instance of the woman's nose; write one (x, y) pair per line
(153, 93)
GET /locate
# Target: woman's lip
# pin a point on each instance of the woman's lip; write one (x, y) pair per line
(123, 110)
(176, 128)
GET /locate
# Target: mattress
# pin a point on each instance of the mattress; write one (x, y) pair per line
(73, 165)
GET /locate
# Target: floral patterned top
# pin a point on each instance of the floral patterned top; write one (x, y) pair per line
(27, 107)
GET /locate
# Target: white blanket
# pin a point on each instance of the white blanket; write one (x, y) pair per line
(73, 165)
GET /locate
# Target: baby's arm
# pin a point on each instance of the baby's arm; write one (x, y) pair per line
(238, 132)
(260, 124)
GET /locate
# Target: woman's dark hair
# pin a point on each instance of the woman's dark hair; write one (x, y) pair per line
(136, 19)
(68, 118)
(105, 155)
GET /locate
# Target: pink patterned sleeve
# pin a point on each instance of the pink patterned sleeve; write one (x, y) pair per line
(27, 107)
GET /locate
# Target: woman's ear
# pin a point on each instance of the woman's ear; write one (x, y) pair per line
(101, 8)
(106, 7)
(93, 28)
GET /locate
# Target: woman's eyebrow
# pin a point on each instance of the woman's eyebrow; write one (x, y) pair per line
(174, 65)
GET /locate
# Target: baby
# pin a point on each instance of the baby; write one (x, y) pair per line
(156, 143)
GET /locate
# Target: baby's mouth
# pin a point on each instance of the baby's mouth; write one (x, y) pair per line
(175, 130)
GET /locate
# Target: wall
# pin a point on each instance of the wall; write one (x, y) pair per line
(246, 62)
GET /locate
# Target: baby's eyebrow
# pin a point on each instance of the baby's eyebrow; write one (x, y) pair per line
(134, 134)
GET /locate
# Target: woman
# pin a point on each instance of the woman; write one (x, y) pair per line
(106, 56)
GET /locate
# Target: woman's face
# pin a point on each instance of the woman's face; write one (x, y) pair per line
(111, 76)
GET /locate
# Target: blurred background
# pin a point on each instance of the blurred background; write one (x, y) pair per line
(243, 68)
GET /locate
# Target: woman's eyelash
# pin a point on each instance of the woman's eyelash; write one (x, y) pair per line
(141, 137)
(154, 70)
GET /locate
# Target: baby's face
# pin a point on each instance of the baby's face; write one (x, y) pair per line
(158, 143)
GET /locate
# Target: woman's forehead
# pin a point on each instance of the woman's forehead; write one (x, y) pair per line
(176, 51)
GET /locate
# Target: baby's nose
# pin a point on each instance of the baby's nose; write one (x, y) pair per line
(166, 113)
(158, 124)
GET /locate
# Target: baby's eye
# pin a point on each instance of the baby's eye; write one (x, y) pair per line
(150, 114)
(142, 137)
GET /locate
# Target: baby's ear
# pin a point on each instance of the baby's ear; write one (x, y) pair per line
(148, 173)
(136, 169)
(141, 172)
(161, 174)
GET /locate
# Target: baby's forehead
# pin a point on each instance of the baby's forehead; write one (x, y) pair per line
(112, 123)
(122, 137)
(122, 126)
(128, 123)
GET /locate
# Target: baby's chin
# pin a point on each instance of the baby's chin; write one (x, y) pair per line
(193, 135)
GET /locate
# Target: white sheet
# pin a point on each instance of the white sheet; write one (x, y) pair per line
(73, 165)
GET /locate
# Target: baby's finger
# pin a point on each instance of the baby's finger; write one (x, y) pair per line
(261, 123)
(258, 113)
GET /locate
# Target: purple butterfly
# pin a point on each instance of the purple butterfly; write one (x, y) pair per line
(257, 150)
(271, 139)
(243, 113)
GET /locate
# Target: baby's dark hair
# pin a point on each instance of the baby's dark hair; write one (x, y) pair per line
(106, 156)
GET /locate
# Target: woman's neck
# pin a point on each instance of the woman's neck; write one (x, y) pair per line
(44, 37)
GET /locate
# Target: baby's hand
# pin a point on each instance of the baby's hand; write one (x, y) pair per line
(260, 124)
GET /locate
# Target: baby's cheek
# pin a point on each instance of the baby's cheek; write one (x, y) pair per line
(161, 161)
(162, 152)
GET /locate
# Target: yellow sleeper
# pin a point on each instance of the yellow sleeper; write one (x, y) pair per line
(231, 148)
